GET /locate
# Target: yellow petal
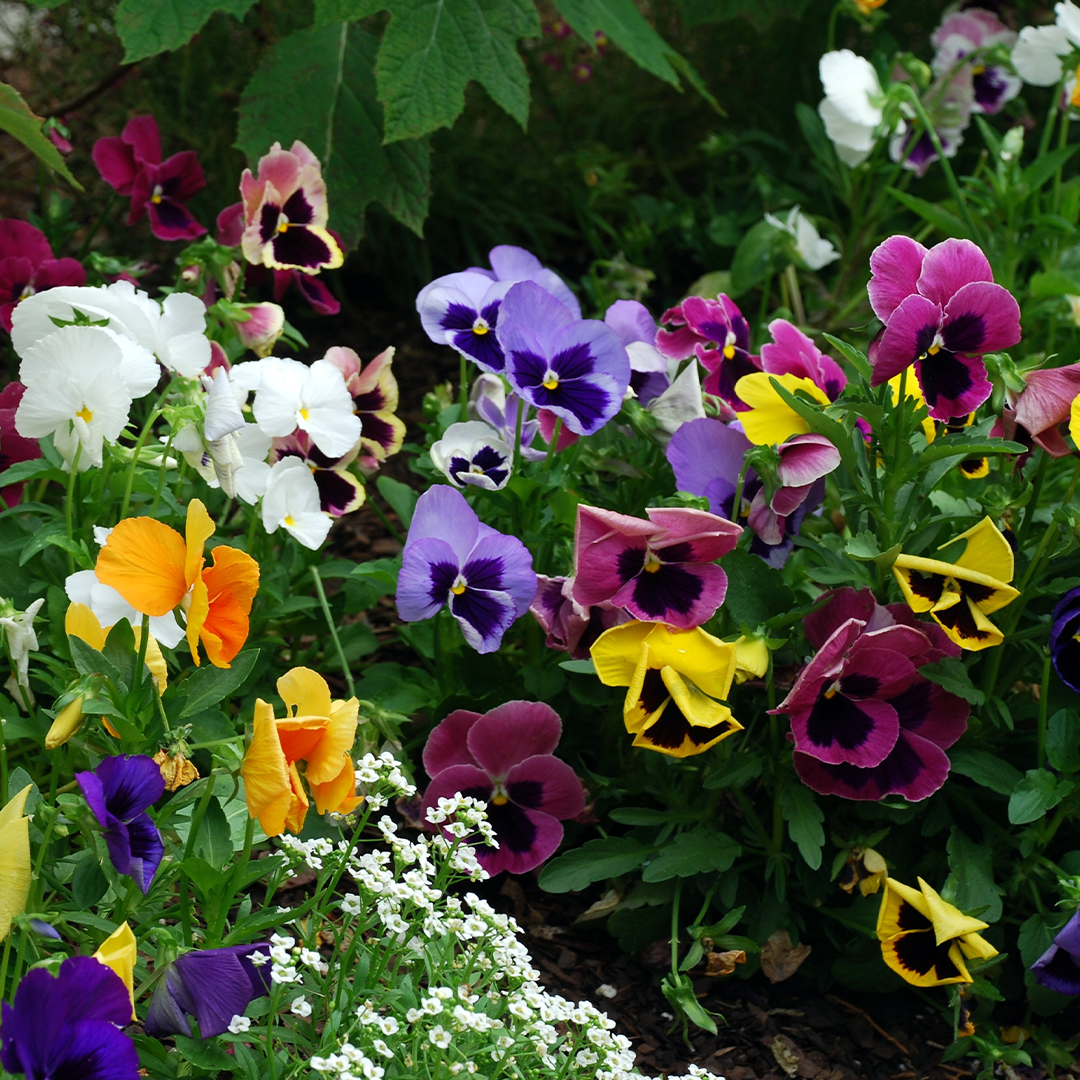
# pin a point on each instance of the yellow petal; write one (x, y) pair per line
(976, 947)
(751, 658)
(198, 609)
(298, 803)
(1074, 420)
(616, 652)
(331, 755)
(337, 794)
(15, 871)
(68, 720)
(647, 696)
(968, 627)
(199, 529)
(987, 552)
(913, 390)
(266, 776)
(770, 420)
(892, 915)
(699, 709)
(304, 692)
(919, 960)
(117, 952)
(949, 921)
(705, 660)
(81, 622)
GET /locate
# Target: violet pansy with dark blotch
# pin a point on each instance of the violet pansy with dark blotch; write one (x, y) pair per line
(213, 985)
(964, 36)
(660, 570)
(569, 626)
(67, 1027)
(472, 454)
(942, 312)
(717, 333)
(452, 559)
(637, 331)
(1065, 639)
(286, 211)
(374, 392)
(131, 164)
(506, 758)
(339, 491)
(509, 263)
(1059, 967)
(27, 266)
(119, 792)
(489, 401)
(577, 369)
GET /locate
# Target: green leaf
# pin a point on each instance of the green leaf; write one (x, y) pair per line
(1045, 165)
(952, 674)
(804, 818)
(738, 771)
(756, 591)
(984, 768)
(972, 877)
(863, 546)
(88, 883)
(639, 815)
(597, 860)
(855, 357)
(149, 27)
(318, 85)
(1053, 283)
(681, 995)
(28, 470)
(699, 851)
(432, 49)
(214, 842)
(89, 661)
(206, 1054)
(1063, 741)
(579, 667)
(17, 119)
(1038, 792)
(209, 685)
(621, 21)
(754, 257)
(943, 220)
(401, 497)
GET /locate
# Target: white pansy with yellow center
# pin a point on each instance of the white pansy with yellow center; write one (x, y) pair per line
(292, 503)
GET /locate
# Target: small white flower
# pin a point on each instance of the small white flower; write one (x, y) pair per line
(606, 990)
(811, 248)
(381, 1048)
(239, 1024)
(292, 502)
(258, 959)
(18, 630)
(440, 1037)
(472, 453)
(301, 1007)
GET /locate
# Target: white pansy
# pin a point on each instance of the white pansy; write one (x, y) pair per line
(1068, 18)
(19, 636)
(74, 392)
(851, 109)
(214, 452)
(472, 453)
(292, 502)
(314, 399)
(1037, 55)
(810, 246)
(254, 449)
(110, 607)
(679, 403)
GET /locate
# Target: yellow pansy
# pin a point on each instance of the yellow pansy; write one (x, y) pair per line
(15, 873)
(117, 952)
(770, 420)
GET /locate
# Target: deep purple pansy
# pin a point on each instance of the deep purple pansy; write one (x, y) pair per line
(660, 570)
(213, 985)
(451, 558)
(1059, 967)
(131, 164)
(27, 266)
(717, 333)
(119, 792)
(576, 369)
(68, 1027)
(942, 312)
(569, 626)
(1065, 639)
(506, 758)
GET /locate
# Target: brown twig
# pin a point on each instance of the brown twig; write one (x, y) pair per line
(872, 1022)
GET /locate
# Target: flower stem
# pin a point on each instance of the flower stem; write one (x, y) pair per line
(333, 631)
(556, 431)
(1043, 709)
(463, 391)
(69, 503)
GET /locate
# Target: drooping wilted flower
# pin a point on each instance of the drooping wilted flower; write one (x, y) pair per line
(570, 626)
(19, 638)
(1035, 414)
(852, 107)
(15, 868)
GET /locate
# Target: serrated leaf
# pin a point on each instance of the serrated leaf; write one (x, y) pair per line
(736, 772)
(430, 51)
(863, 546)
(318, 85)
(985, 769)
(21, 123)
(149, 27)
(858, 359)
(1037, 793)
(804, 818)
(595, 861)
(699, 851)
(951, 674)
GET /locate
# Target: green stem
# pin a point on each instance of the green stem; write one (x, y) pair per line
(69, 503)
(1033, 502)
(736, 502)
(556, 431)
(161, 476)
(333, 630)
(521, 407)
(1043, 708)
(463, 391)
(144, 637)
(675, 931)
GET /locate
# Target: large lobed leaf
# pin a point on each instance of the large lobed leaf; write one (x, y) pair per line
(19, 121)
(149, 27)
(318, 86)
(621, 21)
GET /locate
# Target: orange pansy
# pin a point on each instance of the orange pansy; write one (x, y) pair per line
(156, 570)
(315, 730)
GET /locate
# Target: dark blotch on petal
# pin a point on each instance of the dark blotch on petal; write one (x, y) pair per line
(858, 684)
(927, 586)
(653, 691)
(514, 829)
(682, 552)
(298, 246)
(670, 588)
(960, 619)
(527, 793)
(630, 562)
(944, 375)
(443, 575)
(458, 317)
(484, 573)
(838, 720)
(964, 333)
(977, 592)
(479, 610)
(298, 209)
(672, 728)
(919, 952)
(577, 362)
(907, 918)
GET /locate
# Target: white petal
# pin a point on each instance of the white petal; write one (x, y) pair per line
(251, 481)
(1036, 56)
(850, 82)
(680, 402)
(310, 528)
(1068, 18)
(223, 415)
(79, 586)
(278, 397)
(645, 357)
(852, 140)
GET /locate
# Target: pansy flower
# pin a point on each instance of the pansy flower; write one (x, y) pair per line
(339, 491)
(506, 758)
(948, 103)
(131, 164)
(942, 312)
(852, 107)
(569, 626)
(119, 792)
(677, 680)
(1035, 415)
(15, 869)
(964, 35)
(69, 1025)
(662, 569)
(17, 633)
(489, 401)
(374, 391)
(960, 595)
(791, 352)
(926, 940)
(157, 570)
(577, 369)
(315, 730)
(810, 247)
(452, 559)
(285, 213)
(717, 333)
(293, 500)
(471, 453)
(27, 266)
(1065, 639)
(1059, 967)
(769, 419)
(637, 331)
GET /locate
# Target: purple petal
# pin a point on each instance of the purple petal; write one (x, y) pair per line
(951, 265)
(631, 321)
(428, 571)
(896, 265)
(132, 783)
(91, 1050)
(839, 729)
(468, 780)
(526, 839)
(166, 1015)
(980, 318)
(530, 316)
(513, 562)
(447, 744)
(843, 604)
(1058, 969)
(931, 712)
(545, 783)
(513, 263)
(94, 793)
(218, 987)
(484, 616)
(952, 385)
(909, 334)
(804, 459)
(791, 352)
(1068, 937)
(823, 668)
(1064, 648)
(703, 451)
(146, 850)
(513, 732)
(442, 513)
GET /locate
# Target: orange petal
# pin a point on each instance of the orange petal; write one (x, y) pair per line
(299, 735)
(267, 785)
(231, 584)
(199, 529)
(304, 692)
(327, 759)
(197, 612)
(81, 622)
(337, 794)
(294, 821)
(144, 562)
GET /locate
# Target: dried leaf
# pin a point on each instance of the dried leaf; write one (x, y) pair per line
(723, 963)
(787, 1054)
(780, 959)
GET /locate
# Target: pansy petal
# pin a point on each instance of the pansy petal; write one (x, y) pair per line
(447, 744)
(144, 561)
(511, 733)
(266, 773)
(981, 317)
(895, 265)
(442, 513)
(909, 334)
(484, 616)
(468, 780)
(545, 783)
(839, 729)
(949, 266)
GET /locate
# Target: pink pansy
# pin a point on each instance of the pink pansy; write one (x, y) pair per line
(716, 332)
(131, 164)
(569, 626)
(1033, 416)
(963, 35)
(791, 352)
(27, 266)
(506, 758)
(13, 446)
(660, 570)
(803, 461)
(374, 392)
(285, 213)
(942, 312)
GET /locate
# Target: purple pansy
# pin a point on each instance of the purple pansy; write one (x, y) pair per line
(506, 758)
(213, 985)
(660, 570)
(27, 266)
(119, 792)
(862, 700)
(569, 626)
(339, 491)
(717, 333)
(451, 558)
(131, 164)
(1065, 639)
(942, 312)
(961, 36)
(637, 331)
(577, 369)
(948, 102)
(69, 1026)
(462, 310)
(1059, 967)
(489, 401)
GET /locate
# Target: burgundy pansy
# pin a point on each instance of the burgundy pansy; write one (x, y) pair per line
(374, 392)
(659, 570)
(13, 446)
(27, 266)
(506, 758)
(1034, 416)
(942, 312)
(717, 333)
(569, 626)
(131, 164)
(339, 491)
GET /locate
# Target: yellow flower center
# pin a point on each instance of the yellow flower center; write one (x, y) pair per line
(155, 198)
(289, 520)
(85, 415)
(303, 414)
(283, 223)
(1074, 97)
(551, 382)
(729, 352)
(934, 349)
(832, 691)
(458, 589)
(500, 799)
(480, 327)
(28, 290)
(978, 69)
(652, 563)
